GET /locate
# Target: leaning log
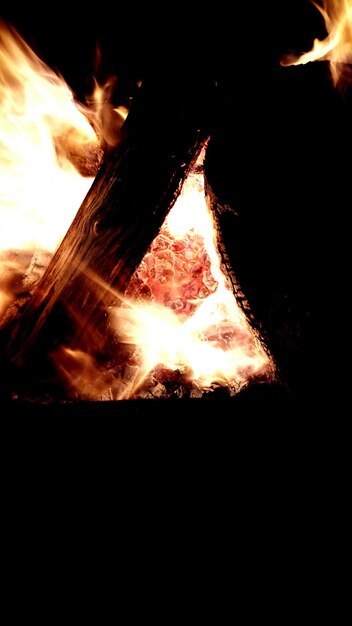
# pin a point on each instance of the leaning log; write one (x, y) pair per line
(136, 185)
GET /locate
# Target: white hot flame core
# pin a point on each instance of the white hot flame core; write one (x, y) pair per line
(192, 324)
(40, 189)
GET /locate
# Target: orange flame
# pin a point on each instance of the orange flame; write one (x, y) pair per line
(337, 46)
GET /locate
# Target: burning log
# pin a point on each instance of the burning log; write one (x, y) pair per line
(136, 185)
(137, 302)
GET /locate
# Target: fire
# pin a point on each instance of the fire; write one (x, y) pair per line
(49, 152)
(337, 46)
(179, 309)
(179, 316)
(178, 322)
(40, 125)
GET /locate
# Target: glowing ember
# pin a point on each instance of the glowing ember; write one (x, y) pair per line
(179, 328)
(179, 308)
(337, 46)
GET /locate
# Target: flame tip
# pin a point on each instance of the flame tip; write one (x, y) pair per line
(336, 48)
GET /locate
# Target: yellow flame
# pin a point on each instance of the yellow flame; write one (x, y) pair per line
(40, 188)
(337, 46)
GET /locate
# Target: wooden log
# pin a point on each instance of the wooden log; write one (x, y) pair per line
(133, 191)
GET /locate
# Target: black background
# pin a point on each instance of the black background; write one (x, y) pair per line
(276, 156)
